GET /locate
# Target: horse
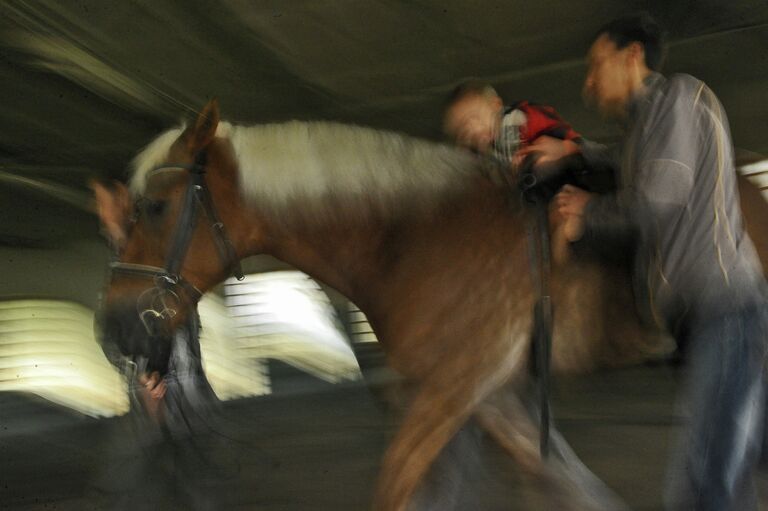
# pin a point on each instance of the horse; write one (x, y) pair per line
(426, 240)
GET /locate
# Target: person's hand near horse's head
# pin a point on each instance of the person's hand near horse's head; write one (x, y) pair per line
(152, 392)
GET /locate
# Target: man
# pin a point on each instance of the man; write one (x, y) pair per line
(695, 266)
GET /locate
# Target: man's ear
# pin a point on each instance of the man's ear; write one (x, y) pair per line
(636, 52)
(113, 204)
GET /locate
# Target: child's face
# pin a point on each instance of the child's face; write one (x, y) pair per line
(473, 122)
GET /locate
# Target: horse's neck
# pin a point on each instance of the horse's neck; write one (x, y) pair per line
(343, 257)
(361, 258)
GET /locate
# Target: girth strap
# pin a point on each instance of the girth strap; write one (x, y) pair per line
(534, 194)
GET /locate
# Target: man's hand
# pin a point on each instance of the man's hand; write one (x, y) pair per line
(571, 202)
(549, 149)
(573, 228)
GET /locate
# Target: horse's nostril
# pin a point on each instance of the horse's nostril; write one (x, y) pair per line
(123, 328)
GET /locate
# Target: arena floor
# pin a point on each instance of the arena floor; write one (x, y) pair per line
(319, 451)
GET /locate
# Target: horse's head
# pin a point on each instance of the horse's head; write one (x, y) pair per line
(170, 236)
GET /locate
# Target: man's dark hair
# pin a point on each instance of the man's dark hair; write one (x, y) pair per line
(641, 28)
(471, 87)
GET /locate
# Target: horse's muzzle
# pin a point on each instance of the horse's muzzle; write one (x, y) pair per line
(135, 335)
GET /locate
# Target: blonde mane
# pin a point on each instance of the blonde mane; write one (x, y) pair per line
(304, 164)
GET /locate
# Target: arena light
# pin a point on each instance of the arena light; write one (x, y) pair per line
(757, 173)
(757, 167)
(359, 328)
(285, 315)
(48, 347)
(231, 373)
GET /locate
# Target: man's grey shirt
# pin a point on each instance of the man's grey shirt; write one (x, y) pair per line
(678, 197)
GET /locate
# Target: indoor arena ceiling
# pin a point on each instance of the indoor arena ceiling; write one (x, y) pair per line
(85, 83)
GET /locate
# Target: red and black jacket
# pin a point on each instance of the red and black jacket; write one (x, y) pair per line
(543, 120)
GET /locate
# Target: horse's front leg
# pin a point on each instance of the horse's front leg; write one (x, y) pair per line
(445, 399)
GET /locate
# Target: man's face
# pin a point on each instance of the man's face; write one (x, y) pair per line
(608, 84)
(473, 122)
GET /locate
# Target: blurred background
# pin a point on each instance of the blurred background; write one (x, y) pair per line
(85, 83)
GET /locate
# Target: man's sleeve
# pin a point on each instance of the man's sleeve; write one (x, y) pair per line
(663, 179)
(597, 155)
(608, 221)
(668, 158)
(597, 169)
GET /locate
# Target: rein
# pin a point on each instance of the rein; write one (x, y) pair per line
(161, 301)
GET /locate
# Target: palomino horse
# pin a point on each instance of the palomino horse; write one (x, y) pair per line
(428, 244)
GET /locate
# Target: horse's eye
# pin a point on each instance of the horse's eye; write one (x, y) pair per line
(156, 208)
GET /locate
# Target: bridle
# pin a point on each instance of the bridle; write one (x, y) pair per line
(160, 302)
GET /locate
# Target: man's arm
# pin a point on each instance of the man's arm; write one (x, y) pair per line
(608, 220)
(663, 178)
(599, 156)
(583, 163)
(550, 149)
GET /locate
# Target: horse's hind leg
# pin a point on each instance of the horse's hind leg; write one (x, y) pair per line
(450, 484)
(567, 480)
(446, 398)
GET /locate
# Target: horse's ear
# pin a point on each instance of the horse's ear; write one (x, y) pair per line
(205, 127)
(113, 205)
